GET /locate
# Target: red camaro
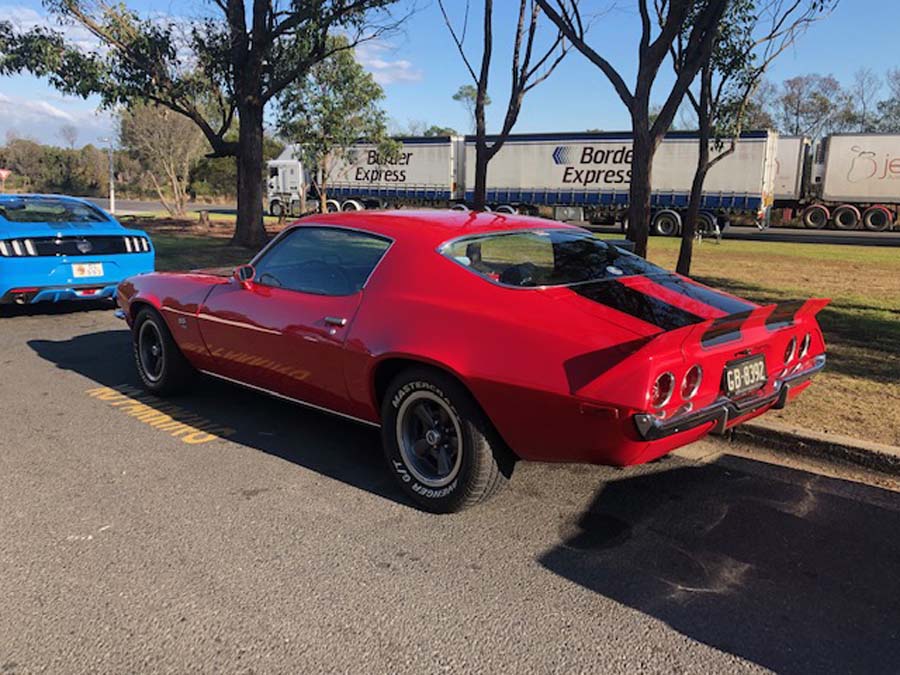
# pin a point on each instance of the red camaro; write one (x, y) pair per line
(474, 339)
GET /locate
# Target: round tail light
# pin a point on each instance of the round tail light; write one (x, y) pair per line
(662, 390)
(691, 382)
(790, 351)
(804, 345)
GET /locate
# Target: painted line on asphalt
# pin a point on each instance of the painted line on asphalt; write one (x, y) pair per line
(179, 423)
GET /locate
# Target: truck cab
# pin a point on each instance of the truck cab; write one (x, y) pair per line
(286, 181)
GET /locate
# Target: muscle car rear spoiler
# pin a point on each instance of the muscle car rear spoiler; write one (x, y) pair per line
(728, 328)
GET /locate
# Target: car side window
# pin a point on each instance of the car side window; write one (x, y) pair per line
(321, 260)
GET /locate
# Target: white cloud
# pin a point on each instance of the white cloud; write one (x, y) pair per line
(41, 121)
(26, 18)
(375, 57)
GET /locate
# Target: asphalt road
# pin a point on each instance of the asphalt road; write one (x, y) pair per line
(277, 542)
(776, 234)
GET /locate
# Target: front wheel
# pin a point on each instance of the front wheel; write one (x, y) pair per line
(160, 364)
(439, 444)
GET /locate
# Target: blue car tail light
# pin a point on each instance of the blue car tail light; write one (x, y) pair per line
(73, 246)
(14, 248)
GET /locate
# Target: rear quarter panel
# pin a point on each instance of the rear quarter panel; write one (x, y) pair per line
(528, 359)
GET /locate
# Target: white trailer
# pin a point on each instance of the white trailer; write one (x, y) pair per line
(580, 176)
(790, 161)
(587, 176)
(848, 181)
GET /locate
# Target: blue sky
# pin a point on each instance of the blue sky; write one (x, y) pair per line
(420, 68)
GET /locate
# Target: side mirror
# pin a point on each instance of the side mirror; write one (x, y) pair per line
(244, 275)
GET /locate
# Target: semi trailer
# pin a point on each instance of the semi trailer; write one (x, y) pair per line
(567, 176)
(847, 181)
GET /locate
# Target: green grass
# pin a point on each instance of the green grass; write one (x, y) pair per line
(179, 252)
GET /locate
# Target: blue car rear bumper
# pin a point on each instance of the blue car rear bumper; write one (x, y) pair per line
(31, 280)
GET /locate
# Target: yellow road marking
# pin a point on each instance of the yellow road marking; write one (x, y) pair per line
(155, 412)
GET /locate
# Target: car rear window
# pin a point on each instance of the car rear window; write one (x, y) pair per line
(30, 210)
(552, 257)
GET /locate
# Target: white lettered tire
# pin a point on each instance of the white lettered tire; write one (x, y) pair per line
(440, 446)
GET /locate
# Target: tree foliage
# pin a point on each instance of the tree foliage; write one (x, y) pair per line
(335, 105)
(237, 55)
(167, 146)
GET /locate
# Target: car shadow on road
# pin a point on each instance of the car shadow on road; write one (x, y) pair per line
(342, 450)
(54, 308)
(793, 571)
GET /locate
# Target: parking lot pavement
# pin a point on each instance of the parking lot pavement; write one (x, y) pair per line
(259, 536)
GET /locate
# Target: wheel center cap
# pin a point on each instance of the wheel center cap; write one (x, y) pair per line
(432, 437)
(154, 350)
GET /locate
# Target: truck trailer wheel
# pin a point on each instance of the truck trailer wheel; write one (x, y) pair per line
(815, 217)
(332, 206)
(276, 209)
(846, 217)
(352, 205)
(877, 218)
(667, 223)
(507, 209)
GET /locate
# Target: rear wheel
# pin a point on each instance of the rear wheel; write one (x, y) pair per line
(846, 217)
(667, 223)
(439, 445)
(877, 219)
(276, 209)
(815, 217)
(160, 363)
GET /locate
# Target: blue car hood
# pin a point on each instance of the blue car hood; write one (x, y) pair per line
(9, 229)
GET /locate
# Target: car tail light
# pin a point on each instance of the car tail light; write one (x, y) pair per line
(691, 382)
(12, 248)
(790, 351)
(804, 345)
(662, 390)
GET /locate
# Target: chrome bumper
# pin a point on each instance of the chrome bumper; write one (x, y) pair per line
(652, 428)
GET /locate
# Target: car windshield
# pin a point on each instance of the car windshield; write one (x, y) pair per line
(551, 257)
(48, 210)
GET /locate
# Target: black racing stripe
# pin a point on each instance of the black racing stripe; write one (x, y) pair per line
(707, 296)
(725, 329)
(784, 314)
(645, 307)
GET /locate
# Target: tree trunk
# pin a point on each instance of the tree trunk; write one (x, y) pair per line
(249, 230)
(643, 150)
(481, 166)
(692, 215)
(704, 120)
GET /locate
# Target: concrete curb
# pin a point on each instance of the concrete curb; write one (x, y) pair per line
(788, 438)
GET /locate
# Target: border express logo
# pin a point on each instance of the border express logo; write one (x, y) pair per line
(563, 154)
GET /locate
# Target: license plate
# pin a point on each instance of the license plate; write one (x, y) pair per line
(82, 270)
(745, 375)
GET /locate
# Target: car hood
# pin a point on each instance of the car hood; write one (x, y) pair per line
(651, 304)
(10, 229)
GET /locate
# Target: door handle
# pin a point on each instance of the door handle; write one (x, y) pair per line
(335, 321)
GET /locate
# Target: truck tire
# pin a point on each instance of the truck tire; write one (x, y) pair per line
(352, 205)
(666, 223)
(507, 209)
(459, 207)
(296, 212)
(815, 217)
(706, 223)
(878, 218)
(846, 217)
(332, 206)
(439, 444)
(276, 209)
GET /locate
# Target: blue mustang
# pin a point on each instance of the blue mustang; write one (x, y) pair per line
(56, 248)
